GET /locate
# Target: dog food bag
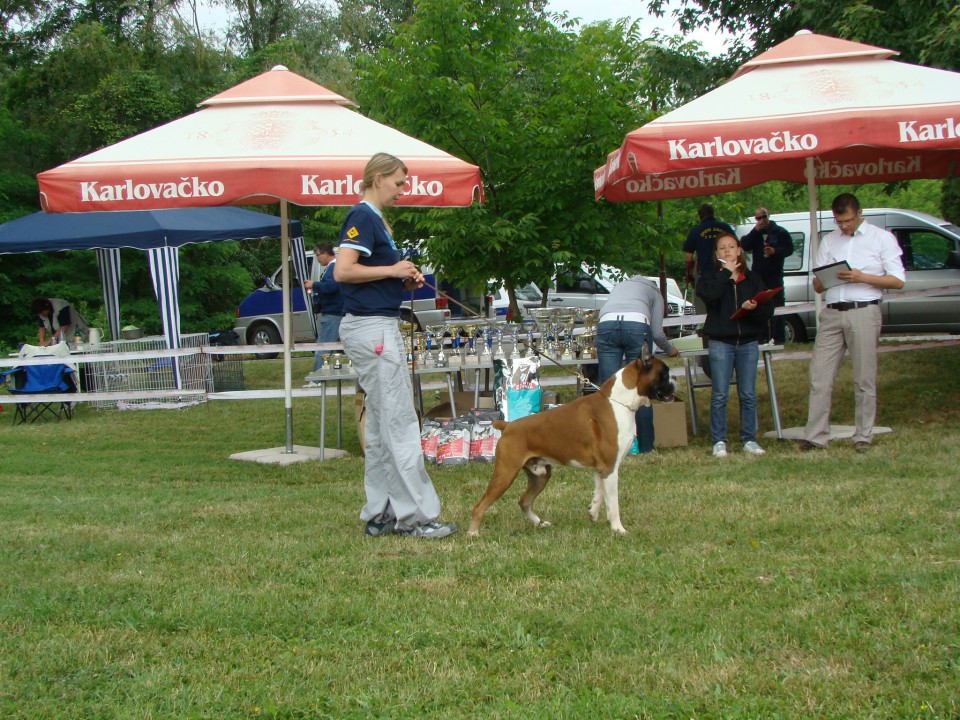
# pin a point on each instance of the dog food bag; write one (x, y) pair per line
(453, 443)
(429, 435)
(483, 436)
(521, 392)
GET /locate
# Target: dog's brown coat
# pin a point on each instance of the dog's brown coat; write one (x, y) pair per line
(583, 433)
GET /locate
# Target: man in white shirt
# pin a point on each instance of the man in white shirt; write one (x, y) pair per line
(851, 319)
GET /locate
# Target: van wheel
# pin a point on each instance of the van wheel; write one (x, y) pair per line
(264, 334)
(794, 331)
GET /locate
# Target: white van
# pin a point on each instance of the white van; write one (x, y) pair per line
(931, 258)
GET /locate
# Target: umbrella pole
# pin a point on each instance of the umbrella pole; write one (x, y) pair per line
(287, 325)
(814, 232)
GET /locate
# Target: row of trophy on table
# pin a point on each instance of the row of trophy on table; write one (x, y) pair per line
(549, 331)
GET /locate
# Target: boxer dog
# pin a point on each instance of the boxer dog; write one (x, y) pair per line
(594, 431)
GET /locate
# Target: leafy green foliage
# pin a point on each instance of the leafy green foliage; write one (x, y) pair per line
(924, 31)
(537, 108)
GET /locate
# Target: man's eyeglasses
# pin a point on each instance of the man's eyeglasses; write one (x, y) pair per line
(760, 217)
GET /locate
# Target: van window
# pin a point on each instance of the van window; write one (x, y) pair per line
(528, 292)
(579, 283)
(923, 249)
(795, 261)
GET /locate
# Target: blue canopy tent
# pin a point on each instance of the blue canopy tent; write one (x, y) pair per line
(160, 233)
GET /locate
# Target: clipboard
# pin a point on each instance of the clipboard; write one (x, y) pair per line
(760, 298)
(827, 274)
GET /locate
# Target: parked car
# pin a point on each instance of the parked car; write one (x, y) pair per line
(931, 258)
(260, 314)
(585, 290)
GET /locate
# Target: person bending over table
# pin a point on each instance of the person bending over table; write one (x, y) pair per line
(632, 317)
(57, 321)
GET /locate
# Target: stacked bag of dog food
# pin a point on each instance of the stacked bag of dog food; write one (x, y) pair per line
(456, 441)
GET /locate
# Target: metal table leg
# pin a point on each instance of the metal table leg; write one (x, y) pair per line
(774, 408)
(339, 410)
(323, 415)
(691, 405)
(453, 404)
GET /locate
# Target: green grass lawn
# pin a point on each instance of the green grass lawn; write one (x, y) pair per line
(145, 575)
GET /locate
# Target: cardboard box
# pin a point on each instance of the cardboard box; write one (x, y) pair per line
(669, 424)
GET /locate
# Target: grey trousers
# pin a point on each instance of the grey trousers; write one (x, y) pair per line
(394, 477)
(857, 331)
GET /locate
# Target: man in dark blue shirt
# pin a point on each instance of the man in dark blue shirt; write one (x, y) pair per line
(701, 240)
(770, 244)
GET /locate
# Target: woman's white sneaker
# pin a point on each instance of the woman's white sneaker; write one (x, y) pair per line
(720, 449)
(751, 447)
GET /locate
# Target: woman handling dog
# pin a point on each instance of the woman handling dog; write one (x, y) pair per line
(400, 496)
(734, 345)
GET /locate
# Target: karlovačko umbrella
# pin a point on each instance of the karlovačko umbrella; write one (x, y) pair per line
(277, 136)
(812, 109)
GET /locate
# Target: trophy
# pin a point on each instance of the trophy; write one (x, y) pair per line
(438, 330)
(325, 368)
(470, 356)
(542, 318)
(420, 349)
(516, 350)
(405, 329)
(456, 358)
(587, 342)
(486, 356)
(566, 320)
(499, 354)
(530, 326)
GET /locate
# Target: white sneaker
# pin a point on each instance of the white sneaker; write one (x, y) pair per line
(720, 449)
(751, 447)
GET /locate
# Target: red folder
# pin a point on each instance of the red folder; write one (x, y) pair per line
(760, 298)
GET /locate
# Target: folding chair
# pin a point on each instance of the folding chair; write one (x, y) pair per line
(40, 380)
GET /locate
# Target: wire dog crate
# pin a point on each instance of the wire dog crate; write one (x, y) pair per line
(142, 374)
(227, 373)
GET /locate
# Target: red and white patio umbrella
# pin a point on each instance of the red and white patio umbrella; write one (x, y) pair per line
(275, 137)
(812, 109)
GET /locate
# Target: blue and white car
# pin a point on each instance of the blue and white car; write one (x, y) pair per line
(260, 314)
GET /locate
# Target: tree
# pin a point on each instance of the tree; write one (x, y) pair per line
(537, 107)
(924, 31)
(365, 25)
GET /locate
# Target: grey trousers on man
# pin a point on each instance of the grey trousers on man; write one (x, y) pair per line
(394, 477)
(858, 331)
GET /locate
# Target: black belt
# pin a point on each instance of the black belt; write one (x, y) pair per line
(842, 306)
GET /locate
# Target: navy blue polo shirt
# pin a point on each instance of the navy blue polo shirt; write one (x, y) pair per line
(363, 230)
(701, 240)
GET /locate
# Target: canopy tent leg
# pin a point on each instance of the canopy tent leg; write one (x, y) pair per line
(814, 230)
(287, 326)
(108, 263)
(165, 270)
